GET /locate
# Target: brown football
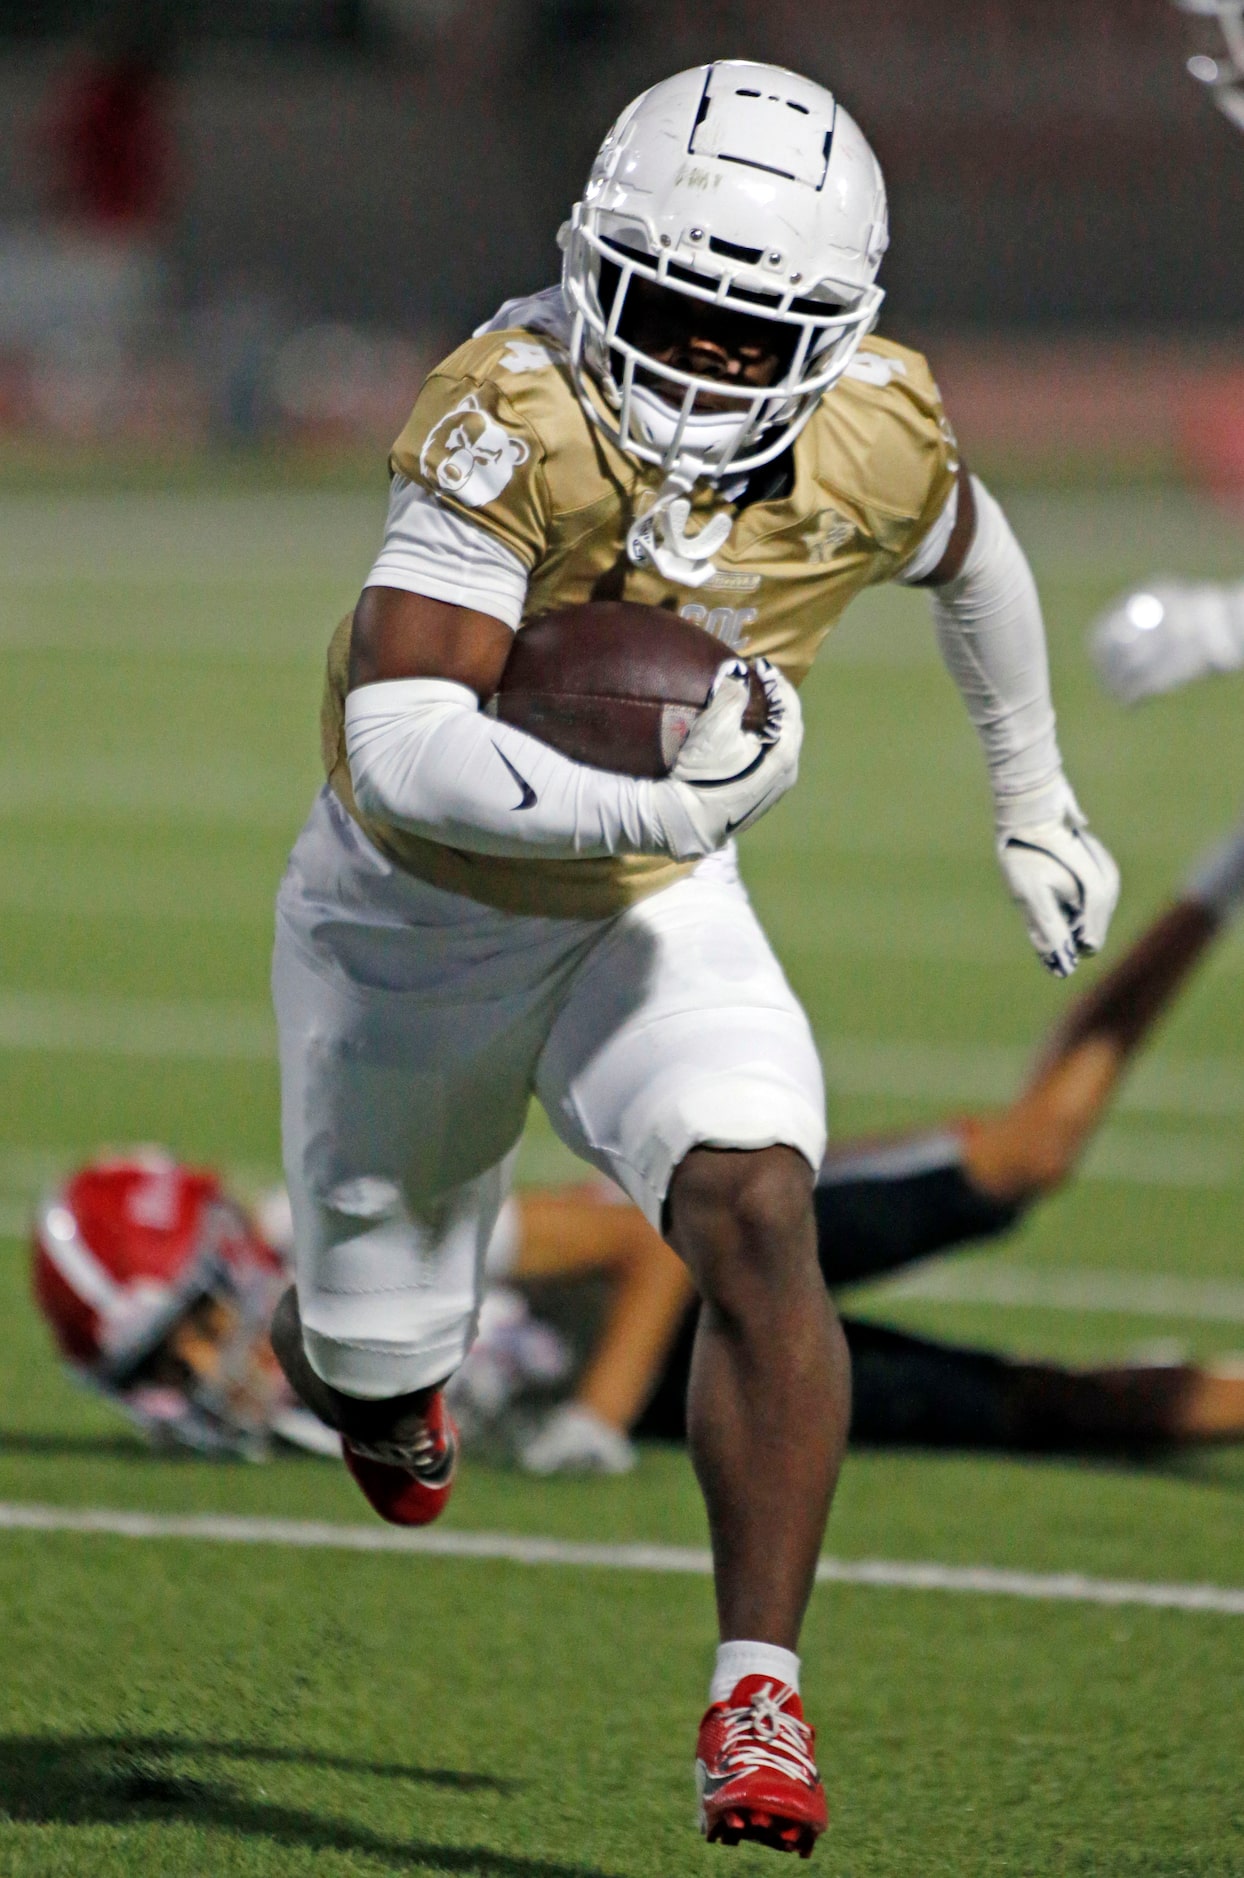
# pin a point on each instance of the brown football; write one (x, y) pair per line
(614, 685)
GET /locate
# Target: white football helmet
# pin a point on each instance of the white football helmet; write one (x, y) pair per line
(1223, 76)
(744, 187)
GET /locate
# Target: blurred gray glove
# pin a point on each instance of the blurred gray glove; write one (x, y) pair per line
(574, 1440)
(1162, 636)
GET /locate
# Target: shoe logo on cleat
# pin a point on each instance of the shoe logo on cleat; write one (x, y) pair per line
(709, 1784)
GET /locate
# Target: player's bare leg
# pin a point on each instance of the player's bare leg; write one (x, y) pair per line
(1013, 1157)
(401, 1450)
(564, 1234)
(767, 1417)
(769, 1397)
(1032, 1146)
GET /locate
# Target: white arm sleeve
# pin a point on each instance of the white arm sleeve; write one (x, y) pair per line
(424, 757)
(992, 638)
(429, 549)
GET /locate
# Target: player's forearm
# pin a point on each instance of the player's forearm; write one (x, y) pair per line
(992, 638)
(1123, 1006)
(423, 757)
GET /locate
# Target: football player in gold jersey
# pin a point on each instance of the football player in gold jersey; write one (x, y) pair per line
(696, 419)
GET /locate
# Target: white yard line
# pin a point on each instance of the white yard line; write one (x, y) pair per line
(54, 1022)
(140, 791)
(1123, 1294)
(188, 536)
(519, 1549)
(31, 1020)
(1149, 1158)
(890, 928)
(213, 644)
(174, 903)
(991, 1072)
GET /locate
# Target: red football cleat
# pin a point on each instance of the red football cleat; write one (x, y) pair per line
(755, 1772)
(415, 1490)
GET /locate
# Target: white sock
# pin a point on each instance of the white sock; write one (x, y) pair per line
(1217, 880)
(736, 1660)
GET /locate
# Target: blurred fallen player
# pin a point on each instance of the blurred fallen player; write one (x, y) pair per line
(880, 1206)
(159, 1287)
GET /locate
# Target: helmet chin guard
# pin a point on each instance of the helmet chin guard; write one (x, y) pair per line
(733, 186)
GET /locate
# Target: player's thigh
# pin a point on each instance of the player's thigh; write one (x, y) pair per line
(680, 1032)
(398, 1114)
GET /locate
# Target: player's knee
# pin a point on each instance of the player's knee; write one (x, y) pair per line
(759, 1195)
(370, 1418)
(742, 1221)
(1046, 1170)
(388, 1311)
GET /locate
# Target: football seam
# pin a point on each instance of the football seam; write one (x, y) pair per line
(512, 692)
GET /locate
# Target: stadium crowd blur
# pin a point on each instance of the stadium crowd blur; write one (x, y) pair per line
(262, 220)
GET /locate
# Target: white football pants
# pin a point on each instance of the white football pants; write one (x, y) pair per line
(416, 1024)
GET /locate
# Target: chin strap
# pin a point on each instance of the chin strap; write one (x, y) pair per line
(658, 538)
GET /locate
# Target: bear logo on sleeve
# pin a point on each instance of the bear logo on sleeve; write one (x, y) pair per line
(469, 456)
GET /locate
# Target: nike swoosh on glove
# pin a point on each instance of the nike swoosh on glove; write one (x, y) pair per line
(726, 776)
(1066, 885)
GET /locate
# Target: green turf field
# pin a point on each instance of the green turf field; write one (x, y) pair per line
(179, 1707)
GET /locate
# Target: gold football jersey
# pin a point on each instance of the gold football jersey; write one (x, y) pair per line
(499, 437)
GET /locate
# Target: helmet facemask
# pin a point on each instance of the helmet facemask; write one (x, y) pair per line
(205, 1376)
(690, 424)
(211, 1383)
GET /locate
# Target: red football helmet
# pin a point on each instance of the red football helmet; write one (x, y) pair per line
(159, 1291)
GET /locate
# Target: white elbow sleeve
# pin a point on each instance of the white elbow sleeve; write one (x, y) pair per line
(425, 758)
(992, 639)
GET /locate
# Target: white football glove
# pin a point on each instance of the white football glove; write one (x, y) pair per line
(725, 777)
(1065, 883)
(1162, 636)
(574, 1440)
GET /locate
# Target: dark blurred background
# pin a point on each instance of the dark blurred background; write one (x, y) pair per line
(262, 217)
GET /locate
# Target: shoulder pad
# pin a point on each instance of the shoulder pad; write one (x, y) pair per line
(881, 437)
(883, 365)
(498, 433)
(526, 367)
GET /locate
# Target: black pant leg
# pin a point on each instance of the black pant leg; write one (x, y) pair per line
(884, 1209)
